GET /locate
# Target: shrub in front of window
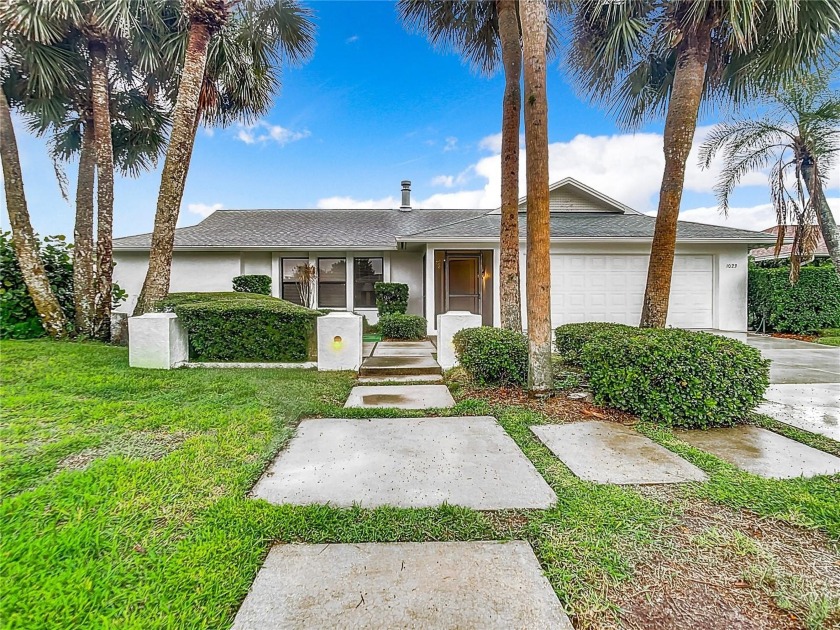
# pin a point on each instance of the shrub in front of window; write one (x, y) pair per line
(391, 297)
(493, 356)
(253, 284)
(400, 326)
(569, 339)
(675, 377)
(245, 327)
(810, 305)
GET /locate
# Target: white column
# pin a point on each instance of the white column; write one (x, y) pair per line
(339, 341)
(448, 324)
(157, 341)
(430, 289)
(349, 296)
(276, 275)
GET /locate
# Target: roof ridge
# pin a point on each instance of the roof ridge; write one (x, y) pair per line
(437, 227)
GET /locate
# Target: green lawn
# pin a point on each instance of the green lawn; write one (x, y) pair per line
(124, 495)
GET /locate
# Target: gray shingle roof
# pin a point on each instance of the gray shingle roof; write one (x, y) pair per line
(383, 229)
(587, 225)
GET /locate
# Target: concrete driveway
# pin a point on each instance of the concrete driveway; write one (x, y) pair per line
(804, 384)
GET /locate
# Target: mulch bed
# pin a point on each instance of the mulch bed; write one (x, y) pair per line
(811, 338)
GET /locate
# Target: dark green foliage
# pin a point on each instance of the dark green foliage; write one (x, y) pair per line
(676, 377)
(244, 327)
(811, 304)
(569, 339)
(18, 317)
(253, 284)
(400, 326)
(493, 356)
(391, 297)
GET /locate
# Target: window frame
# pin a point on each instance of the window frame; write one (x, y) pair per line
(381, 275)
(336, 282)
(284, 282)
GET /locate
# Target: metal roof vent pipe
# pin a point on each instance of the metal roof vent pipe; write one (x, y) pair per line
(406, 196)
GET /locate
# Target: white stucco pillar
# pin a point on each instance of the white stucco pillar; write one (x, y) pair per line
(447, 325)
(157, 341)
(339, 341)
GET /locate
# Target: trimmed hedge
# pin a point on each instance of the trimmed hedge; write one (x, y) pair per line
(253, 284)
(493, 356)
(245, 327)
(399, 326)
(675, 377)
(569, 339)
(811, 304)
(391, 297)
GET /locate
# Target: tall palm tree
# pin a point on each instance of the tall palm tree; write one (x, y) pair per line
(648, 57)
(251, 40)
(26, 245)
(534, 15)
(487, 34)
(799, 138)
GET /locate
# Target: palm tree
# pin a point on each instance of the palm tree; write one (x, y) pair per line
(26, 245)
(487, 34)
(648, 57)
(245, 43)
(534, 15)
(800, 139)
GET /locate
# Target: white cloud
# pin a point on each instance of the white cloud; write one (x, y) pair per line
(352, 39)
(263, 131)
(451, 143)
(202, 209)
(627, 167)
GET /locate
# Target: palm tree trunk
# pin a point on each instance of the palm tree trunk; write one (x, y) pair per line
(509, 288)
(175, 167)
(84, 274)
(534, 16)
(26, 246)
(680, 124)
(104, 189)
(828, 226)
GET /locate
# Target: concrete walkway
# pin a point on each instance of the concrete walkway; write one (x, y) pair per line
(804, 384)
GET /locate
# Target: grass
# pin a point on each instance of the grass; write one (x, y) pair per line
(125, 494)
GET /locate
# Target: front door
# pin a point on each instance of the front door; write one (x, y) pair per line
(462, 283)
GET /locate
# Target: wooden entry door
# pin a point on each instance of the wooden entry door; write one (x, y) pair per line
(462, 283)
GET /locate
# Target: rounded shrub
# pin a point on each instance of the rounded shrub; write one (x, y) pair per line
(569, 339)
(391, 297)
(493, 356)
(400, 326)
(253, 284)
(676, 377)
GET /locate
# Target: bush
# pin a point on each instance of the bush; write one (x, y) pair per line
(391, 297)
(493, 356)
(569, 339)
(676, 377)
(18, 317)
(253, 284)
(811, 304)
(399, 326)
(244, 327)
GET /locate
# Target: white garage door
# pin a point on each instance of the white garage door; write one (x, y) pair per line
(610, 288)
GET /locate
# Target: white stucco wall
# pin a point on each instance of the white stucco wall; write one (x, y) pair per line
(255, 263)
(407, 267)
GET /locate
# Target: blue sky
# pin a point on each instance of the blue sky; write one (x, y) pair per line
(375, 105)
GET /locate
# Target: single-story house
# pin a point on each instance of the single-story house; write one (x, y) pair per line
(767, 254)
(450, 259)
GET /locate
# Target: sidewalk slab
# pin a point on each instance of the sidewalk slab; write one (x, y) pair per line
(405, 378)
(605, 452)
(762, 452)
(404, 462)
(400, 397)
(488, 585)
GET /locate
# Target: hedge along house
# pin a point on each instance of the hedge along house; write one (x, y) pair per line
(450, 259)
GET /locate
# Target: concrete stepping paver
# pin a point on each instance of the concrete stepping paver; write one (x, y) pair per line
(488, 585)
(606, 452)
(404, 462)
(400, 397)
(814, 407)
(395, 366)
(405, 378)
(763, 453)
(403, 349)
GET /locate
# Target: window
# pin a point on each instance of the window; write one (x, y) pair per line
(366, 273)
(291, 286)
(332, 283)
